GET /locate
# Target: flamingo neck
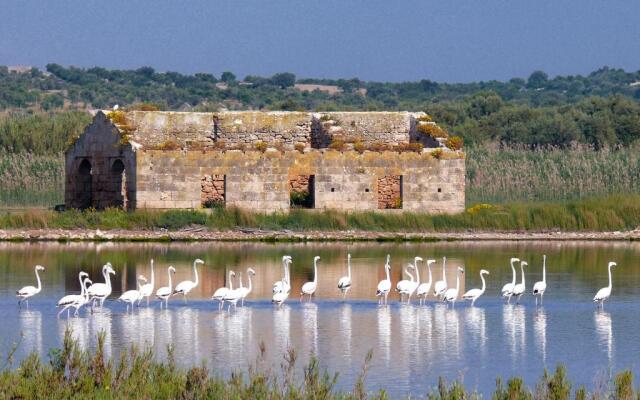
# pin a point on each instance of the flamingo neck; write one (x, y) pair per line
(386, 268)
(483, 283)
(429, 269)
(522, 271)
(513, 274)
(107, 279)
(544, 269)
(230, 282)
(406, 271)
(417, 271)
(81, 285)
(170, 284)
(458, 281)
(152, 274)
(315, 271)
(349, 268)
(444, 273)
(38, 279)
(195, 272)
(610, 283)
(250, 284)
(240, 278)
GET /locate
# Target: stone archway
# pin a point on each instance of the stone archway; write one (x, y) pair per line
(84, 190)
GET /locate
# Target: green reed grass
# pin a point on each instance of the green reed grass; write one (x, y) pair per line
(28, 180)
(598, 214)
(73, 372)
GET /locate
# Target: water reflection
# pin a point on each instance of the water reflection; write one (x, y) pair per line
(540, 329)
(477, 326)
(384, 333)
(310, 327)
(605, 332)
(345, 331)
(31, 327)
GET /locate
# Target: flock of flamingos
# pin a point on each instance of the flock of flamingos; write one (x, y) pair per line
(96, 293)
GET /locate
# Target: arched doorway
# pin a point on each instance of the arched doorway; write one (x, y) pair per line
(119, 180)
(84, 192)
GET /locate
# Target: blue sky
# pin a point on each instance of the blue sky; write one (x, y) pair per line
(447, 41)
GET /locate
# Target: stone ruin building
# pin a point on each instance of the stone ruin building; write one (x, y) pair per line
(264, 162)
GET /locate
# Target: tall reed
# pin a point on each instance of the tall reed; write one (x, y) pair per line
(28, 180)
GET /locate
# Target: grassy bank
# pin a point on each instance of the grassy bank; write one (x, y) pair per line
(606, 214)
(28, 180)
(73, 372)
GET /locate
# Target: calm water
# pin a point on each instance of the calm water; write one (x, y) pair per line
(412, 344)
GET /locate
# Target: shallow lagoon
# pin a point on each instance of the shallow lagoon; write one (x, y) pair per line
(412, 344)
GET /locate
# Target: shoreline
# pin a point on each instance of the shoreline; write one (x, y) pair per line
(249, 235)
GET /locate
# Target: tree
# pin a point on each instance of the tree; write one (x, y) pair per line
(283, 79)
(228, 77)
(537, 79)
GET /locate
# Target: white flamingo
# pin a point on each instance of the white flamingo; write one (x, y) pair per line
(186, 286)
(85, 298)
(404, 286)
(604, 293)
(519, 289)
(384, 286)
(507, 289)
(344, 284)
(309, 288)
(233, 295)
(541, 286)
(473, 294)
(67, 301)
(246, 290)
(284, 284)
(130, 297)
(285, 288)
(30, 291)
(146, 290)
(423, 289)
(451, 295)
(100, 291)
(222, 292)
(414, 284)
(441, 286)
(164, 292)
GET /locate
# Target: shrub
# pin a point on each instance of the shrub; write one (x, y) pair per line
(417, 147)
(425, 118)
(359, 146)
(437, 154)
(261, 146)
(143, 107)
(432, 130)
(169, 144)
(454, 143)
(299, 147)
(337, 144)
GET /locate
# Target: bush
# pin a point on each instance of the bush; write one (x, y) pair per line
(437, 154)
(425, 118)
(337, 144)
(417, 147)
(454, 143)
(168, 145)
(143, 107)
(261, 146)
(299, 147)
(359, 146)
(432, 130)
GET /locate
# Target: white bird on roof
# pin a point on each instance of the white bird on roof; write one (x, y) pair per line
(116, 107)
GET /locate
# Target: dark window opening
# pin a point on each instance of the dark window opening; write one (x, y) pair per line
(366, 190)
(439, 190)
(213, 191)
(333, 190)
(301, 191)
(390, 192)
(119, 183)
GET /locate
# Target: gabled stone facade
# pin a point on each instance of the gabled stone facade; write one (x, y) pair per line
(261, 161)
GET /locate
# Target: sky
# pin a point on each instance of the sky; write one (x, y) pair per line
(444, 41)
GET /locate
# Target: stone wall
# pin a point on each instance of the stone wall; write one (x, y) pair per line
(390, 192)
(212, 190)
(262, 181)
(388, 128)
(99, 169)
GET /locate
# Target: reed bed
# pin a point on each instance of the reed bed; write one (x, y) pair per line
(73, 372)
(30, 180)
(598, 214)
(506, 174)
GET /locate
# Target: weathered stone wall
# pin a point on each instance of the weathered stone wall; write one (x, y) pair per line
(212, 190)
(262, 181)
(99, 169)
(389, 128)
(246, 128)
(390, 192)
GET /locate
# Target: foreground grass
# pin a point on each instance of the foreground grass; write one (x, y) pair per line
(76, 373)
(606, 214)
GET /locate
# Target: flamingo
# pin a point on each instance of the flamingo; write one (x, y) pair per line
(541, 286)
(69, 300)
(414, 285)
(146, 290)
(29, 291)
(222, 292)
(441, 286)
(473, 294)
(85, 298)
(451, 295)
(507, 289)
(164, 292)
(404, 286)
(131, 296)
(604, 293)
(100, 291)
(344, 284)
(423, 288)
(384, 286)
(246, 290)
(309, 288)
(519, 289)
(186, 286)
(284, 284)
(233, 295)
